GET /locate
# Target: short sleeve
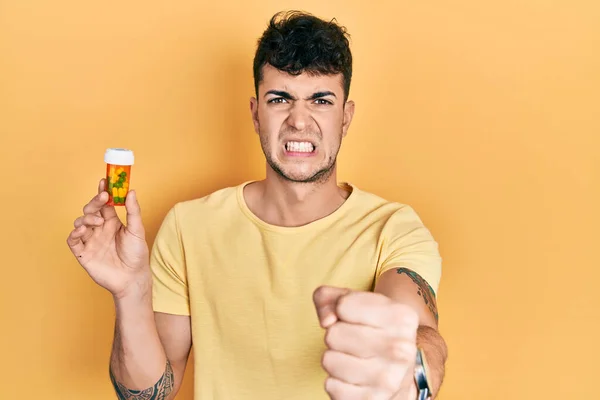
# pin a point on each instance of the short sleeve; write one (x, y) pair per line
(167, 262)
(407, 243)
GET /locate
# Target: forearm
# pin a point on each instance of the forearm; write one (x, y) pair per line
(434, 347)
(436, 352)
(407, 287)
(138, 364)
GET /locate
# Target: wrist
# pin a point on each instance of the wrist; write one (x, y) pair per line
(135, 304)
(139, 289)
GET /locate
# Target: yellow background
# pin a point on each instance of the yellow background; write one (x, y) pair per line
(484, 116)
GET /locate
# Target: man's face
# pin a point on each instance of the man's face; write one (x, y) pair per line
(301, 121)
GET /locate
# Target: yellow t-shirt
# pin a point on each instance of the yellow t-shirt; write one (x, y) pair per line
(248, 285)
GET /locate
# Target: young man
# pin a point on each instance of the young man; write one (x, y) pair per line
(293, 287)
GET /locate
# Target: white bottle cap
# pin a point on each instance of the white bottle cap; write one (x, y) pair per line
(118, 157)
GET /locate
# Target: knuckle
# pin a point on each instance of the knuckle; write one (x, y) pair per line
(83, 220)
(318, 294)
(328, 386)
(333, 389)
(80, 222)
(328, 389)
(324, 358)
(329, 337)
(344, 303)
(334, 334)
(402, 349)
(327, 360)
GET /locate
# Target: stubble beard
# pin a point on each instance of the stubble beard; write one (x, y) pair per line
(322, 175)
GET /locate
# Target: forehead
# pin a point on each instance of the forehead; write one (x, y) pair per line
(303, 84)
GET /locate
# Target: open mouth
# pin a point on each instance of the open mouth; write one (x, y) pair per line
(299, 147)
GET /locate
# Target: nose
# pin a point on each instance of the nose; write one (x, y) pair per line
(299, 117)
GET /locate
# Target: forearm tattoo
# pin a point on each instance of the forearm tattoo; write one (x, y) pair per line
(424, 290)
(160, 390)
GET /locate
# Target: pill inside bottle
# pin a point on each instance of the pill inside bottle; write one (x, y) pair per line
(118, 174)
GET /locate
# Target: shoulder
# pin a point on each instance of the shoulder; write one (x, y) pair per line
(205, 208)
(209, 202)
(385, 210)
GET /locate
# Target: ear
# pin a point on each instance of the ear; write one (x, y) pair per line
(348, 114)
(254, 112)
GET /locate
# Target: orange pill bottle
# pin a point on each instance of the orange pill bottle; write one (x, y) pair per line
(118, 175)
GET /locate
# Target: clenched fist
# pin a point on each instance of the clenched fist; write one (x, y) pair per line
(371, 344)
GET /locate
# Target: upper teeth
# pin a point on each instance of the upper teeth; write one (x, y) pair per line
(306, 147)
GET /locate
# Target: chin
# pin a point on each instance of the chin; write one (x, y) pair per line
(298, 178)
(301, 171)
(315, 176)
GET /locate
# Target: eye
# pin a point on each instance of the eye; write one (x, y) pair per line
(277, 100)
(323, 102)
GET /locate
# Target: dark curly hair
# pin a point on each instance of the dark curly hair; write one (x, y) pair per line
(297, 42)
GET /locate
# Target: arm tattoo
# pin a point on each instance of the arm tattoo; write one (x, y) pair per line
(424, 290)
(160, 390)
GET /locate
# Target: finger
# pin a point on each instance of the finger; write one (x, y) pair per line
(74, 240)
(325, 299)
(377, 310)
(96, 204)
(134, 215)
(89, 220)
(373, 373)
(107, 211)
(361, 340)
(101, 185)
(339, 390)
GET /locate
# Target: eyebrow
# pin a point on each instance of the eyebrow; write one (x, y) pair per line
(280, 93)
(287, 96)
(321, 94)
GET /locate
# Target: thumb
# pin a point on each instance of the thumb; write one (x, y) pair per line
(325, 299)
(134, 215)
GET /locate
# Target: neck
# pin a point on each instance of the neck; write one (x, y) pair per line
(281, 202)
